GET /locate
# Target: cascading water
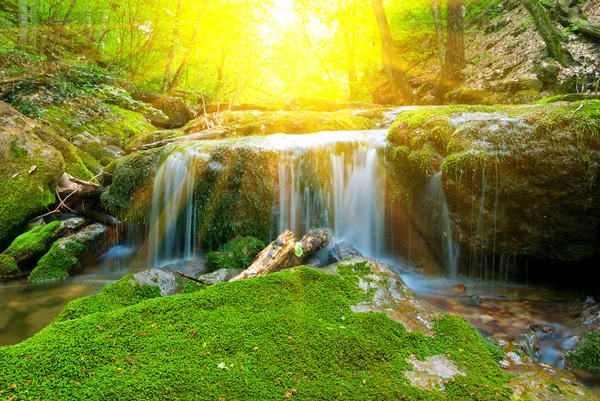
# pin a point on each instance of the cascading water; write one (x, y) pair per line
(436, 205)
(334, 180)
(171, 233)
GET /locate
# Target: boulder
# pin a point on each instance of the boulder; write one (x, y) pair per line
(173, 112)
(33, 244)
(167, 282)
(67, 255)
(99, 149)
(530, 174)
(341, 251)
(29, 172)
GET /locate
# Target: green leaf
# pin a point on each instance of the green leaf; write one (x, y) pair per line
(298, 249)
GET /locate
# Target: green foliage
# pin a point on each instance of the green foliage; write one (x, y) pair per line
(238, 253)
(8, 266)
(586, 354)
(253, 339)
(130, 194)
(61, 259)
(125, 292)
(33, 243)
(192, 286)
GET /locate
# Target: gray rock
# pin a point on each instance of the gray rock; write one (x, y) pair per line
(313, 261)
(72, 224)
(219, 276)
(192, 268)
(169, 283)
(341, 251)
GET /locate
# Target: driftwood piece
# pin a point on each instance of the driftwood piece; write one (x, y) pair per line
(285, 252)
(216, 133)
(191, 278)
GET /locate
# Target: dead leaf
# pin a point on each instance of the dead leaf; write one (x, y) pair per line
(32, 169)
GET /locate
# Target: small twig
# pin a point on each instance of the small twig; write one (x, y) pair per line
(579, 108)
(61, 204)
(193, 279)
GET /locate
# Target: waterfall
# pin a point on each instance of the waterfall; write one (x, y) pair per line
(171, 232)
(436, 206)
(332, 180)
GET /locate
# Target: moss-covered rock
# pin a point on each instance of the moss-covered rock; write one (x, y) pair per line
(284, 122)
(587, 353)
(65, 255)
(33, 244)
(532, 173)
(123, 293)
(238, 253)
(29, 172)
(298, 333)
(130, 194)
(8, 266)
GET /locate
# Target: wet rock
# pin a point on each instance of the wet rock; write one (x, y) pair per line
(313, 261)
(169, 283)
(192, 268)
(219, 276)
(530, 345)
(67, 255)
(460, 288)
(341, 251)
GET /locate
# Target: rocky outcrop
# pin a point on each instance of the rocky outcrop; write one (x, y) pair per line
(518, 180)
(67, 255)
(29, 172)
(172, 112)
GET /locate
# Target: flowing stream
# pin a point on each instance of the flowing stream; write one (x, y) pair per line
(334, 180)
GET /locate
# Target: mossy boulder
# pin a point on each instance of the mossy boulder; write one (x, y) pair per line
(238, 253)
(97, 148)
(300, 333)
(29, 172)
(531, 173)
(8, 266)
(33, 244)
(586, 354)
(66, 255)
(284, 122)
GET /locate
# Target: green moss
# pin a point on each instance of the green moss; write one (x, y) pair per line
(73, 163)
(287, 122)
(123, 293)
(60, 260)
(130, 194)
(192, 286)
(8, 266)
(235, 200)
(587, 353)
(248, 340)
(33, 243)
(238, 253)
(107, 121)
(89, 162)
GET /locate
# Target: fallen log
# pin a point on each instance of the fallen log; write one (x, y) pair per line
(216, 133)
(285, 252)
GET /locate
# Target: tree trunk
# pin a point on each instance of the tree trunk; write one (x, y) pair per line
(23, 22)
(570, 17)
(439, 32)
(285, 252)
(171, 54)
(545, 28)
(401, 90)
(454, 54)
(347, 22)
(220, 74)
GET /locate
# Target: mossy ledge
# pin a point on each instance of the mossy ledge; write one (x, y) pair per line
(290, 332)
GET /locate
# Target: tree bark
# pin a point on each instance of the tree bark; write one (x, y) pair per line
(395, 72)
(570, 17)
(439, 32)
(23, 22)
(171, 54)
(454, 54)
(282, 253)
(547, 31)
